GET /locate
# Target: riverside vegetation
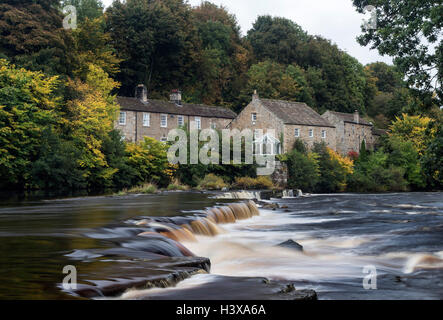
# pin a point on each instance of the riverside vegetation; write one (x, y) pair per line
(57, 97)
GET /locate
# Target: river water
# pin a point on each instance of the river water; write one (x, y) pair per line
(399, 236)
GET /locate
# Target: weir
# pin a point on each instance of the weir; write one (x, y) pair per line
(205, 225)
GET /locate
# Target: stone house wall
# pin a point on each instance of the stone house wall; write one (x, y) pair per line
(134, 130)
(267, 120)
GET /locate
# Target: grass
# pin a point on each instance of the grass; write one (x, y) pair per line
(147, 188)
(177, 186)
(212, 182)
(248, 183)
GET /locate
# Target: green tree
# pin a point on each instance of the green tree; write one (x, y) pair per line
(409, 31)
(32, 36)
(86, 9)
(277, 39)
(28, 107)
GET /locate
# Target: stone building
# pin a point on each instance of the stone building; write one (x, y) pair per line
(140, 116)
(351, 130)
(290, 120)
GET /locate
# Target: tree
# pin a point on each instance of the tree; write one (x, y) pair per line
(412, 128)
(277, 39)
(86, 9)
(303, 170)
(88, 118)
(409, 31)
(432, 161)
(28, 107)
(149, 159)
(92, 47)
(32, 36)
(157, 41)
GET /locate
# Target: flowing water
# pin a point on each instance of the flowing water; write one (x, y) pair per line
(133, 237)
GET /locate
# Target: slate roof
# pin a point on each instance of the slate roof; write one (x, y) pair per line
(349, 117)
(297, 113)
(186, 109)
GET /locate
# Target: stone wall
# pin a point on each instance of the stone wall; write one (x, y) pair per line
(280, 175)
(135, 131)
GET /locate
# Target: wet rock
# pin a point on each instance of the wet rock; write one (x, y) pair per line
(291, 244)
(215, 287)
(112, 279)
(272, 206)
(284, 207)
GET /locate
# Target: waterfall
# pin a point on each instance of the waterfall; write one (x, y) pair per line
(206, 225)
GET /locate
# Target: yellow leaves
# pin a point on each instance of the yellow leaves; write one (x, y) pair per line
(346, 163)
(412, 128)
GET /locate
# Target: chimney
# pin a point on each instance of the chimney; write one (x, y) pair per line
(176, 97)
(255, 96)
(356, 116)
(141, 93)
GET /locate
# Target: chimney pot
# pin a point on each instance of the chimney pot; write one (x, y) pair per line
(356, 117)
(141, 93)
(255, 96)
(176, 97)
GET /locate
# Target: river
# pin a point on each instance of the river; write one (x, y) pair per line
(399, 236)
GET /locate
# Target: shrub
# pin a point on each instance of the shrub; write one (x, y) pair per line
(303, 171)
(212, 182)
(147, 188)
(261, 182)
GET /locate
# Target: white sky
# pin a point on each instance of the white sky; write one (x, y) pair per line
(336, 20)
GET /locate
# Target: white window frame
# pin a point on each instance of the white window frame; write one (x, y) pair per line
(254, 117)
(198, 123)
(165, 123)
(146, 119)
(311, 133)
(181, 121)
(297, 132)
(323, 134)
(120, 122)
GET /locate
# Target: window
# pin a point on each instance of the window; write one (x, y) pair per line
(198, 123)
(122, 119)
(146, 119)
(311, 133)
(323, 134)
(164, 121)
(181, 121)
(297, 132)
(254, 117)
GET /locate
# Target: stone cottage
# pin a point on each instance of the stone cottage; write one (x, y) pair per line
(140, 116)
(290, 120)
(351, 130)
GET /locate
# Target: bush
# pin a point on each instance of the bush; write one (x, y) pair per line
(212, 182)
(149, 159)
(248, 183)
(373, 175)
(303, 171)
(147, 188)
